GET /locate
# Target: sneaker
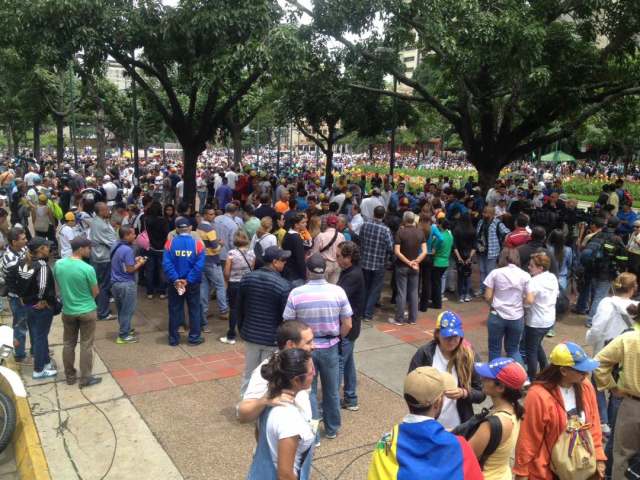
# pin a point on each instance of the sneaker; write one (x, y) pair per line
(51, 365)
(392, 321)
(132, 331)
(24, 361)
(90, 381)
(331, 436)
(365, 319)
(228, 341)
(195, 342)
(461, 300)
(467, 298)
(111, 316)
(551, 333)
(317, 443)
(411, 323)
(127, 339)
(71, 380)
(445, 299)
(206, 329)
(352, 407)
(44, 374)
(606, 430)
(112, 300)
(588, 323)
(162, 296)
(224, 316)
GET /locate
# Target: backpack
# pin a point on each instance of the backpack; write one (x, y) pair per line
(259, 251)
(470, 427)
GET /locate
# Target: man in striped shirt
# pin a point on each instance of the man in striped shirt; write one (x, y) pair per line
(326, 309)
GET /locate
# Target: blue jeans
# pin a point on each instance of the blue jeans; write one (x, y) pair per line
(202, 196)
(373, 283)
(327, 364)
(20, 327)
(487, 265)
(176, 312)
(464, 284)
(348, 372)
(233, 295)
(600, 290)
(103, 273)
(532, 351)
(212, 277)
(40, 321)
(125, 295)
(508, 331)
(153, 273)
(584, 295)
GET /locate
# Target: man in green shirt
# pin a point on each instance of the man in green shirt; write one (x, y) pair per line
(78, 287)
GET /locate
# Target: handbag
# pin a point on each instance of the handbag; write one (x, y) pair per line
(142, 241)
(573, 455)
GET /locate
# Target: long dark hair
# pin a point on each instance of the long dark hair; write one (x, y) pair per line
(513, 396)
(283, 367)
(557, 241)
(551, 377)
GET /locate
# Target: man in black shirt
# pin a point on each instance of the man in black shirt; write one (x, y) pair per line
(352, 282)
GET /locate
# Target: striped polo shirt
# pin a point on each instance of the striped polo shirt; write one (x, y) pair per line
(322, 306)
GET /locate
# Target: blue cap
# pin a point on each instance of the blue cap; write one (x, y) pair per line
(449, 325)
(569, 354)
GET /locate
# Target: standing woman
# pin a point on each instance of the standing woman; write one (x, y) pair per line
(563, 256)
(295, 269)
(280, 231)
(170, 216)
(502, 380)
(263, 239)
(157, 228)
(561, 393)
(449, 352)
(240, 261)
(464, 249)
(425, 224)
(505, 288)
(542, 295)
(623, 351)
(441, 255)
(633, 247)
(285, 434)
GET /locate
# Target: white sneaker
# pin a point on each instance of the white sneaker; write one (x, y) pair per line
(44, 374)
(392, 321)
(150, 297)
(445, 299)
(162, 296)
(606, 430)
(228, 341)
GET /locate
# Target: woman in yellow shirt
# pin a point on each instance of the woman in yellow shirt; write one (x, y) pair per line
(502, 380)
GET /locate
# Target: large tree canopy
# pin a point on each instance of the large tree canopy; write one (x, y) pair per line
(509, 75)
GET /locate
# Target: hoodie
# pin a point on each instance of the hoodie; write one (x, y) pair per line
(610, 320)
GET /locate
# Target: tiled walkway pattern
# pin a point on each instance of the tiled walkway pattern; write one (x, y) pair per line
(180, 372)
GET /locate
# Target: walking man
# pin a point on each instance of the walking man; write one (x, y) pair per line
(325, 308)
(102, 236)
(124, 264)
(183, 262)
(78, 288)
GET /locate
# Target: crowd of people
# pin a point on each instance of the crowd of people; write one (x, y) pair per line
(296, 265)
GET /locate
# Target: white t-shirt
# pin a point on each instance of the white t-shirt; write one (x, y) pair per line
(449, 417)
(65, 236)
(258, 386)
(542, 313)
(232, 177)
(286, 422)
(610, 320)
(111, 191)
(509, 285)
(569, 399)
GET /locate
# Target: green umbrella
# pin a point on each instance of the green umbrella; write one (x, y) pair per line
(557, 157)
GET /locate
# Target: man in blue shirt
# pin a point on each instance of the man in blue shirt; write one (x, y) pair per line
(223, 194)
(123, 282)
(183, 261)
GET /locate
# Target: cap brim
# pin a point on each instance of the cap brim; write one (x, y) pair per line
(448, 381)
(484, 371)
(587, 365)
(451, 332)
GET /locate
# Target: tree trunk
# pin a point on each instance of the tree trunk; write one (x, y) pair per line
(371, 154)
(191, 154)
(236, 137)
(59, 138)
(16, 141)
(9, 134)
(328, 168)
(101, 137)
(487, 176)
(36, 138)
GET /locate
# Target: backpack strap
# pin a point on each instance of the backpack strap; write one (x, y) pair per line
(494, 439)
(328, 245)
(113, 252)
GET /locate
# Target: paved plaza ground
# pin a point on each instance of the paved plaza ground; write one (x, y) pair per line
(166, 412)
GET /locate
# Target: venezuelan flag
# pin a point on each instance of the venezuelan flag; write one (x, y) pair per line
(423, 450)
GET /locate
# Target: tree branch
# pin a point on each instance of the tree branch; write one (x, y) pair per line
(390, 93)
(311, 137)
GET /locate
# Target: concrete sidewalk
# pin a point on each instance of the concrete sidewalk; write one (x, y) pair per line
(166, 412)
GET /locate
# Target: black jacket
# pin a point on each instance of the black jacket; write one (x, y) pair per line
(424, 358)
(41, 285)
(265, 211)
(352, 282)
(295, 268)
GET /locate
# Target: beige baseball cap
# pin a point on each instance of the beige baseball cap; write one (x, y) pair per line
(427, 384)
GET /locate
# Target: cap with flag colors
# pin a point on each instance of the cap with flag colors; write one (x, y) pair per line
(569, 354)
(449, 324)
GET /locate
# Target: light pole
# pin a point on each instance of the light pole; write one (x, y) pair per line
(278, 155)
(73, 121)
(134, 108)
(392, 160)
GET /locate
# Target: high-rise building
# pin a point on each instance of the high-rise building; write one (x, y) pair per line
(117, 75)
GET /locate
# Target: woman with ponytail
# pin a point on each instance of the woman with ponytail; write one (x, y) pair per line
(450, 352)
(502, 380)
(286, 435)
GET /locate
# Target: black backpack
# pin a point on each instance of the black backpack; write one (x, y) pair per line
(470, 427)
(259, 252)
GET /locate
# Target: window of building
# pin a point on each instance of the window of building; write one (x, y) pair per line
(409, 59)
